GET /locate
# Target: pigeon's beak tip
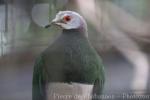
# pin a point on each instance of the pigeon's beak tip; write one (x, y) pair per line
(47, 26)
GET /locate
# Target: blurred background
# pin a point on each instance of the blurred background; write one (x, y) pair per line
(118, 29)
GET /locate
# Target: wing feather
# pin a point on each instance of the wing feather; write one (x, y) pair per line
(38, 83)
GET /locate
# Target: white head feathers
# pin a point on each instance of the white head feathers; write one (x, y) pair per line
(70, 20)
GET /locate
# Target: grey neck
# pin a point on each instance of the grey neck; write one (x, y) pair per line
(80, 32)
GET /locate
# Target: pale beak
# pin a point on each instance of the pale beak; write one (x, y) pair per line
(49, 25)
(54, 21)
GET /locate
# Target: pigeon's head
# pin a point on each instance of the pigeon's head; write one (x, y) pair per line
(69, 20)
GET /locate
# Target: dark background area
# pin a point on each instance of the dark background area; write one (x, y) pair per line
(1, 1)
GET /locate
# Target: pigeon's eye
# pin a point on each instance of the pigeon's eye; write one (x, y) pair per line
(67, 18)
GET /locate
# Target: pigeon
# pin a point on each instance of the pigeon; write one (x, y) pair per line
(70, 68)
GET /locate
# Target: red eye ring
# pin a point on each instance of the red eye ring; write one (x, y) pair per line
(67, 18)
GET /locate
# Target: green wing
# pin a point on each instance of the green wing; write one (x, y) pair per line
(38, 82)
(99, 82)
(98, 88)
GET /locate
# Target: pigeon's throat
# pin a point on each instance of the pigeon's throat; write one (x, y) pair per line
(75, 32)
